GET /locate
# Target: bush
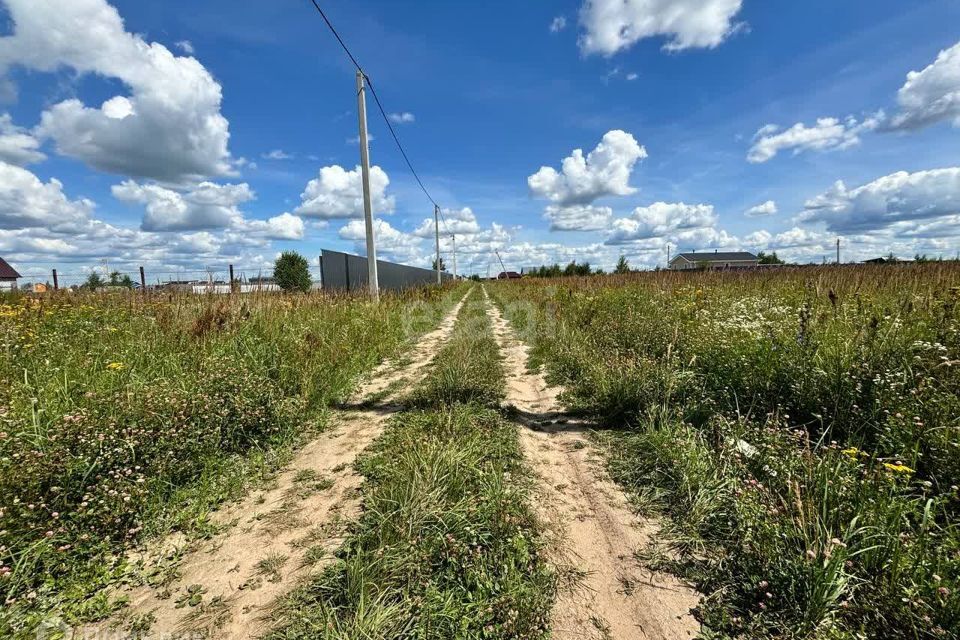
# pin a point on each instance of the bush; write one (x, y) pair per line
(292, 272)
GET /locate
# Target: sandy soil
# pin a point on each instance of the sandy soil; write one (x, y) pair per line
(605, 591)
(263, 552)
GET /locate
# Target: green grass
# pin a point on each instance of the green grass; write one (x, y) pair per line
(799, 428)
(447, 546)
(468, 368)
(124, 417)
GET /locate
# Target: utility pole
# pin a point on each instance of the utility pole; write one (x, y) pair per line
(365, 174)
(838, 250)
(453, 237)
(502, 266)
(56, 283)
(668, 255)
(436, 231)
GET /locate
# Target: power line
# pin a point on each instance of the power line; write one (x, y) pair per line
(376, 99)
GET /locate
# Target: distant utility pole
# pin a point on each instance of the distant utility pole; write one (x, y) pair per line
(453, 237)
(502, 266)
(838, 250)
(436, 231)
(668, 255)
(365, 173)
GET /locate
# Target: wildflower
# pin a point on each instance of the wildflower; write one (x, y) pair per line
(853, 453)
(115, 366)
(898, 468)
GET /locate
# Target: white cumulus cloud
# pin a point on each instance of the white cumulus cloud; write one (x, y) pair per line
(902, 198)
(392, 244)
(26, 201)
(661, 219)
(932, 94)
(605, 171)
(462, 222)
(578, 217)
(614, 25)
(338, 193)
(285, 226)
(205, 206)
(558, 24)
(403, 117)
(767, 208)
(827, 134)
(168, 128)
(17, 145)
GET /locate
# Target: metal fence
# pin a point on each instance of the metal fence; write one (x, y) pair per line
(349, 272)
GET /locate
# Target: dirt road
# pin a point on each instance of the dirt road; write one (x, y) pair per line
(606, 592)
(224, 587)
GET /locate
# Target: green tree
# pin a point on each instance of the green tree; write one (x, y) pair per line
(622, 266)
(120, 280)
(94, 281)
(291, 272)
(770, 258)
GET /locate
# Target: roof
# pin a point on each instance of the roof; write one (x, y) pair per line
(6, 271)
(717, 256)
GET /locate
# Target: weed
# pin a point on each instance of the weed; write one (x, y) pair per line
(798, 427)
(123, 418)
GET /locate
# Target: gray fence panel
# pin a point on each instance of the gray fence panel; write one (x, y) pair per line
(340, 270)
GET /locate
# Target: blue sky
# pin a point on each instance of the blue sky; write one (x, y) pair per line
(186, 137)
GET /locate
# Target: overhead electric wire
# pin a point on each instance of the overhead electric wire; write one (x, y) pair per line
(383, 112)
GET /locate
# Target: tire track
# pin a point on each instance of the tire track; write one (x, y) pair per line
(605, 591)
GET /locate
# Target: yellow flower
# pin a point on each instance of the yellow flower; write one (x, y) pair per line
(853, 453)
(898, 468)
(115, 366)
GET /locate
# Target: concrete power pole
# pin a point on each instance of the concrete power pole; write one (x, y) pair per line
(436, 230)
(367, 206)
(838, 250)
(453, 237)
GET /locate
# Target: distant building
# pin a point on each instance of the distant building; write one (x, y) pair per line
(715, 260)
(885, 260)
(8, 276)
(508, 275)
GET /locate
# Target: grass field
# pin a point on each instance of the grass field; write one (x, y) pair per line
(123, 418)
(796, 431)
(800, 429)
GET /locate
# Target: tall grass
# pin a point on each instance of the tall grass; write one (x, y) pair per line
(123, 417)
(801, 428)
(447, 546)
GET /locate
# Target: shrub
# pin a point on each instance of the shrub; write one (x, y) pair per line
(292, 272)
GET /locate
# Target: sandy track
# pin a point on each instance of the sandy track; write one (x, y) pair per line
(605, 592)
(262, 554)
